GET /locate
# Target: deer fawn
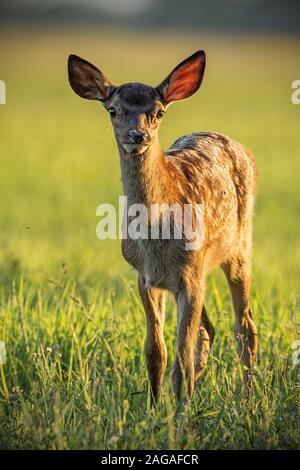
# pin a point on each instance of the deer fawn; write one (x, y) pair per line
(205, 168)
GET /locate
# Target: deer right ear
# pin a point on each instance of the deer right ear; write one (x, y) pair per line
(87, 81)
(184, 80)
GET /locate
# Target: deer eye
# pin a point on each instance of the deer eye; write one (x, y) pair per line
(112, 111)
(160, 114)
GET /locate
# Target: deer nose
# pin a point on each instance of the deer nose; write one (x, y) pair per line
(137, 136)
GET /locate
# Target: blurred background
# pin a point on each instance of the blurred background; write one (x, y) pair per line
(239, 15)
(58, 156)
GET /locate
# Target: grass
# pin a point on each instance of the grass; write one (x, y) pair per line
(69, 311)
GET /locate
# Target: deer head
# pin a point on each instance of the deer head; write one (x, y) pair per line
(135, 109)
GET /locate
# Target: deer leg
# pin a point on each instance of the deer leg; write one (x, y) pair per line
(204, 344)
(189, 306)
(237, 271)
(155, 349)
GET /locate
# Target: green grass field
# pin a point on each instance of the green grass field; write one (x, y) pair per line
(70, 315)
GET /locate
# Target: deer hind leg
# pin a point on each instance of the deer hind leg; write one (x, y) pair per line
(204, 344)
(237, 271)
(155, 349)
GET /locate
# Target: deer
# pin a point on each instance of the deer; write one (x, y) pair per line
(205, 168)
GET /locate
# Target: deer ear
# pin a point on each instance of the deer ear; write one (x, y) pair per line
(185, 79)
(87, 81)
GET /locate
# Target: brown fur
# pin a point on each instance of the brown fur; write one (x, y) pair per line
(205, 168)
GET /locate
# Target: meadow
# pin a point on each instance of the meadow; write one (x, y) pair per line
(70, 315)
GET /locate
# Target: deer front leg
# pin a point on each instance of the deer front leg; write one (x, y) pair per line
(155, 349)
(189, 307)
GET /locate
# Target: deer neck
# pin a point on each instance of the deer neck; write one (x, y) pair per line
(145, 177)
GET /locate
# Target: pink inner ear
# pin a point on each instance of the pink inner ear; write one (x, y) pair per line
(184, 81)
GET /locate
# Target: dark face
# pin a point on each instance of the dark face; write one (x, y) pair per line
(136, 109)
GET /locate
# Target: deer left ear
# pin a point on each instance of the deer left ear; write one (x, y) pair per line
(88, 81)
(185, 79)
